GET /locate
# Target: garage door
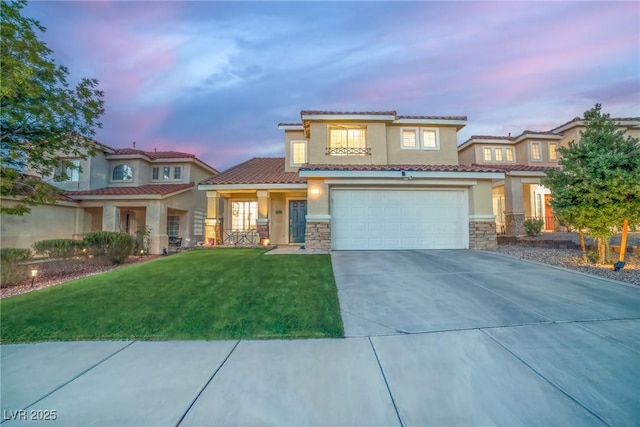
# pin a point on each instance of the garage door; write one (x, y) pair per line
(399, 219)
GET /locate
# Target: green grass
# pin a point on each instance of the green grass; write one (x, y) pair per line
(203, 294)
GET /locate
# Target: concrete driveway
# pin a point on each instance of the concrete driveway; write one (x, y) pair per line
(438, 338)
(477, 325)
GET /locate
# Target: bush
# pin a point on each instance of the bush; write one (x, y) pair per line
(13, 265)
(116, 247)
(533, 226)
(59, 248)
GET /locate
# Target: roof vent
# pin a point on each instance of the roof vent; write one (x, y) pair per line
(134, 145)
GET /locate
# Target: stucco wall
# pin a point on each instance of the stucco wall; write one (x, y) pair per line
(43, 223)
(446, 155)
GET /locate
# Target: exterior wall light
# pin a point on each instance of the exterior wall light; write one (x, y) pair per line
(264, 242)
(315, 191)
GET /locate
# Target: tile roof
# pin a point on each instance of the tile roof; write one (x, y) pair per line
(408, 168)
(289, 124)
(520, 167)
(154, 154)
(259, 170)
(150, 189)
(347, 113)
(434, 117)
(579, 119)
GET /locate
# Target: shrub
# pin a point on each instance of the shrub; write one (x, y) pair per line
(533, 226)
(59, 248)
(13, 265)
(116, 247)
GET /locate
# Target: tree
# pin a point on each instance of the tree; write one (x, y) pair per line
(598, 186)
(42, 119)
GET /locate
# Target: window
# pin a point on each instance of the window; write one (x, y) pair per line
(487, 154)
(166, 172)
(535, 151)
(244, 216)
(409, 138)
(122, 173)
(155, 173)
(553, 151)
(68, 171)
(415, 138)
(498, 151)
(347, 141)
(430, 139)
(509, 153)
(177, 172)
(298, 152)
(173, 226)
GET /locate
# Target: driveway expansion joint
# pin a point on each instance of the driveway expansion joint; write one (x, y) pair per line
(193, 402)
(75, 377)
(548, 380)
(386, 383)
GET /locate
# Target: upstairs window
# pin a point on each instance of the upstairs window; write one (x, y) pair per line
(348, 141)
(498, 154)
(419, 138)
(298, 153)
(430, 140)
(155, 173)
(487, 154)
(166, 172)
(553, 151)
(122, 173)
(535, 151)
(68, 171)
(409, 138)
(509, 153)
(177, 172)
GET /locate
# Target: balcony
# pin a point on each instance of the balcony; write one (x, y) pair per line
(348, 151)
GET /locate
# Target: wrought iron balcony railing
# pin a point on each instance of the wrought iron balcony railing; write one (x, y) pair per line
(348, 151)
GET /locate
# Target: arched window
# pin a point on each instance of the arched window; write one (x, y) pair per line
(122, 173)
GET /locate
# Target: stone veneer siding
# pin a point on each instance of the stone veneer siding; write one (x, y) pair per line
(482, 234)
(317, 236)
(515, 224)
(263, 231)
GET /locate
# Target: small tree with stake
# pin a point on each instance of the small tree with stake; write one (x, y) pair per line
(598, 187)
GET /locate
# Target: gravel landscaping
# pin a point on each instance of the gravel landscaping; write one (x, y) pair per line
(571, 259)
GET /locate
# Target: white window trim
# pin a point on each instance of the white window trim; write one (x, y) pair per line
(437, 132)
(484, 158)
(404, 147)
(172, 172)
(122, 180)
(539, 151)
(420, 138)
(71, 173)
(513, 157)
(549, 151)
(292, 157)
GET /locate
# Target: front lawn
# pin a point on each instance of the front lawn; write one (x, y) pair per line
(202, 294)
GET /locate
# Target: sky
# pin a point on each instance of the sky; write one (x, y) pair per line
(215, 78)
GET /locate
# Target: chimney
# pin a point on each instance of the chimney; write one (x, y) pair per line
(155, 150)
(134, 145)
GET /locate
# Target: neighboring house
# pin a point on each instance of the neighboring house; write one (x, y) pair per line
(525, 160)
(122, 190)
(357, 180)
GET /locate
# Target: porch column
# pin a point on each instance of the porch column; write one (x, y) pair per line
(482, 224)
(78, 232)
(110, 217)
(317, 234)
(156, 219)
(263, 214)
(212, 232)
(514, 206)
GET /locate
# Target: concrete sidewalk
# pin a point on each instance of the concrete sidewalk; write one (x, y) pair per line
(449, 338)
(525, 375)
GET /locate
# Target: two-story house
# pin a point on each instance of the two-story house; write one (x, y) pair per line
(525, 159)
(120, 190)
(357, 180)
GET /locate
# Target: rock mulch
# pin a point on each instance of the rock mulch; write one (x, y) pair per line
(571, 260)
(53, 273)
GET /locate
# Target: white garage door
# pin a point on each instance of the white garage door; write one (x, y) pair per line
(399, 219)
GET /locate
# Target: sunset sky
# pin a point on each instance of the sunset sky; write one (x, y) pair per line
(216, 78)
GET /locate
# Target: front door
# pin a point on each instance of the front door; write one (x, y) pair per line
(548, 213)
(297, 220)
